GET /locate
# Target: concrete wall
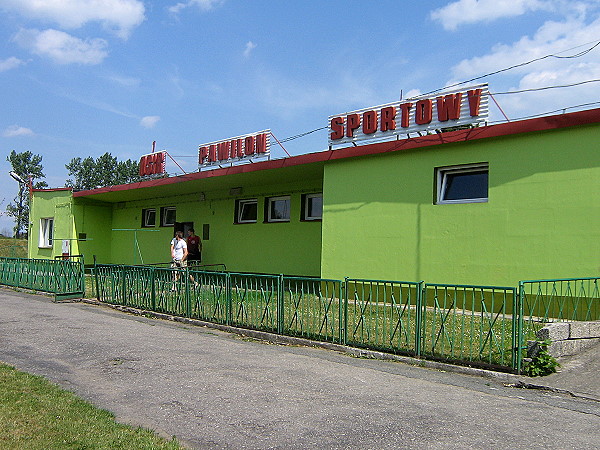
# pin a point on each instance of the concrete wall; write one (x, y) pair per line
(570, 338)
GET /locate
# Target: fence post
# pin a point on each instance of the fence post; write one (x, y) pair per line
(96, 279)
(187, 292)
(82, 278)
(344, 314)
(228, 299)
(518, 326)
(280, 305)
(123, 285)
(420, 305)
(153, 288)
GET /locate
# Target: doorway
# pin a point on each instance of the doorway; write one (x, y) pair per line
(183, 227)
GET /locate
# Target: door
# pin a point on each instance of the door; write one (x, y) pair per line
(183, 227)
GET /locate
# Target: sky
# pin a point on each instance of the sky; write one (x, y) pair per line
(80, 78)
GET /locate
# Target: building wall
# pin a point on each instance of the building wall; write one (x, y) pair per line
(56, 205)
(291, 248)
(93, 224)
(541, 220)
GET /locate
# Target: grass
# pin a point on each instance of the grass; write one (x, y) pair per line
(90, 286)
(13, 248)
(451, 330)
(35, 414)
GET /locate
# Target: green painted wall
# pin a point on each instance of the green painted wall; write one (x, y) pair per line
(541, 220)
(56, 205)
(292, 248)
(94, 221)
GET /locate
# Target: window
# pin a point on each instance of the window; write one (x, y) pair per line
(46, 232)
(246, 211)
(168, 216)
(278, 209)
(313, 206)
(462, 184)
(148, 217)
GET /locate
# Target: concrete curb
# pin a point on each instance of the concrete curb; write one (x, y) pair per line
(291, 340)
(508, 379)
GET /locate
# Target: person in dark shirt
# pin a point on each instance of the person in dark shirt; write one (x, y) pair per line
(194, 246)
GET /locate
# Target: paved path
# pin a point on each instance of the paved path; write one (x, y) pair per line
(578, 374)
(215, 390)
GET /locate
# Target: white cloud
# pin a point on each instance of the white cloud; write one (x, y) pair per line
(61, 47)
(204, 5)
(249, 47)
(10, 63)
(119, 16)
(471, 11)
(124, 81)
(149, 121)
(16, 130)
(551, 38)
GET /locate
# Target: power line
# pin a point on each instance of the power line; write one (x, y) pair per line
(561, 110)
(553, 55)
(547, 87)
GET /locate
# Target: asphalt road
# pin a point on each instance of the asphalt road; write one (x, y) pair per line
(217, 390)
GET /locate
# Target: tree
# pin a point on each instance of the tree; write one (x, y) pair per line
(91, 173)
(26, 165)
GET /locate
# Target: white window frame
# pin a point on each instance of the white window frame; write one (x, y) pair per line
(163, 216)
(307, 215)
(442, 179)
(271, 200)
(240, 204)
(145, 212)
(46, 232)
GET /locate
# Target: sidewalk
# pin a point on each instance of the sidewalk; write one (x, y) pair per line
(578, 374)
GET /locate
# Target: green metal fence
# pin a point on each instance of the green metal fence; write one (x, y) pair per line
(469, 323)
(384, 315)
(554, 300)
(450, 322)
(63, 278)
(481, 325)
(312, 308)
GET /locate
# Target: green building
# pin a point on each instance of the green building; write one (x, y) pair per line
(487, 205)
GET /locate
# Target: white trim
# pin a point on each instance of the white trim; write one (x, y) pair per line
(46, 232)
(163, 216)
(240, 208)
(271, 200)
(442, 179)
(145, 212)
(307, 215)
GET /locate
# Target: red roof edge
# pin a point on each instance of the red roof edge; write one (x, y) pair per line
(52, 189)
(505, 129)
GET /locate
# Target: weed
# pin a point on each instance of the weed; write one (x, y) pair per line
(542, 363)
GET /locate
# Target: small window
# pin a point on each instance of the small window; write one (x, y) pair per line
(313, 206)
(168, 216)
(246, 211)
(148, 217)
(278, 209)
(462, 184)
(46, 232)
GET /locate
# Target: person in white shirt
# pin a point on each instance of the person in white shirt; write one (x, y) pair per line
(179, 251)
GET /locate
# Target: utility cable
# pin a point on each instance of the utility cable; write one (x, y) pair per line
(553, 55)
(547, 87)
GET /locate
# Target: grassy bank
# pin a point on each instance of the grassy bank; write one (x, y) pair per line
(35, 414)
(13, 248)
